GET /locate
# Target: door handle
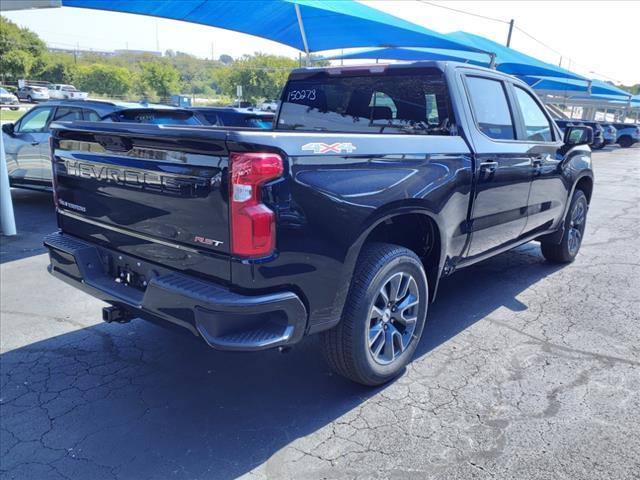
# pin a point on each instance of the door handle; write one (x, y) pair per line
(35, 143)
(537, 160)
(489, 167)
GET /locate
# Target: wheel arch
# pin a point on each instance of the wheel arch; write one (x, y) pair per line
(380, 229)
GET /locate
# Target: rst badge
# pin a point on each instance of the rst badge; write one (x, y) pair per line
(339, 147)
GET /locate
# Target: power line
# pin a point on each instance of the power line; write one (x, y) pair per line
(499, 20)
(540, 41)
(464, 12)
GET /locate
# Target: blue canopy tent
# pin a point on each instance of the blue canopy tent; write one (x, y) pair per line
(506, 59)
(307, 25)
(413, 54)
(570, 86)
(511, 61)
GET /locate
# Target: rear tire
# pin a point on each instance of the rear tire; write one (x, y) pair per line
(383, 317)
(574, 225)
(625, 141)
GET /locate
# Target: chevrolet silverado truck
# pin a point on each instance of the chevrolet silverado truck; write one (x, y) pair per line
(374, 183)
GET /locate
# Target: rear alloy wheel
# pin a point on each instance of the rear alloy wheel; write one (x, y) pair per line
(393, 317)
(383, 317)
(575, 223)
(29, 99)
(625, 141)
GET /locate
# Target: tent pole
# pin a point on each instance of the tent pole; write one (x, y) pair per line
(6, 204)
(510, 32)
(492, 62)
(302, 32)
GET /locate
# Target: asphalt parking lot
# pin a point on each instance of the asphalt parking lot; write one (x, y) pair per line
(526, 370)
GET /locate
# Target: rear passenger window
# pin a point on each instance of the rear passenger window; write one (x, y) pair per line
(536, 123)
(490, 108)
(90, 116)
(67, 114)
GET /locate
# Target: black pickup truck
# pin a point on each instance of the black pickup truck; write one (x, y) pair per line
(374, 183)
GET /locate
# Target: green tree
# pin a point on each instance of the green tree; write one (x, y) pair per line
(105, 79)
(159, 78)
(20, 48)
(226, 59)
(261, 75)
(57, 68)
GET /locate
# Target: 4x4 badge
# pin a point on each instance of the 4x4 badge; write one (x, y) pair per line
(339, 147)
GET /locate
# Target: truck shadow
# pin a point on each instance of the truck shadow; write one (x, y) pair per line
(35, 217)
(137, 401)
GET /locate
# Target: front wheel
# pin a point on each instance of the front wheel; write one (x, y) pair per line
(383, 318)
(574, 225)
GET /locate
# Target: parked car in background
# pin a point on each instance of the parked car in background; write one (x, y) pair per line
(242, 104)
(598, 131)
(269, 105)
(627, 134)
(33, 93)
(341, 220)
(66, 92)
(610, 133)
(27, 140)
(234, 117)
(155, 115)
(8, 98)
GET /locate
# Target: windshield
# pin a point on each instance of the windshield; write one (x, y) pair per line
(3, 91)
(395, 102)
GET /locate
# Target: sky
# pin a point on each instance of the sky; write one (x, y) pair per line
(598, 39)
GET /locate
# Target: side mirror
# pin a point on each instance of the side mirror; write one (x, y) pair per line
(9, 129)
(579, 135)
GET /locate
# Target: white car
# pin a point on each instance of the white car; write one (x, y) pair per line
(8, 98)
(32, 93)
(66, 92)
(269, 105)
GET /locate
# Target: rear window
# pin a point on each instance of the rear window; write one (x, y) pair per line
(394, 103)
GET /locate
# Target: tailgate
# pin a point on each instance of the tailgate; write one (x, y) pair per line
(155, 192)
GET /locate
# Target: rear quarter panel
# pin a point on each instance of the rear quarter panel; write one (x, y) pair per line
(328, 203)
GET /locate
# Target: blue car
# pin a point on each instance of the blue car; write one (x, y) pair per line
(627, 135)
(598, 131)
(610, 133)
(27, 140)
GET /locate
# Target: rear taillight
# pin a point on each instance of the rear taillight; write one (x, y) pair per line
(253, 231)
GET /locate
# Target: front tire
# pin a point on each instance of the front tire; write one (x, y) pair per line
(574, 225)
(383, 317)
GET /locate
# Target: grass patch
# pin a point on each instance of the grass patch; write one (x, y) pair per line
(7, 115)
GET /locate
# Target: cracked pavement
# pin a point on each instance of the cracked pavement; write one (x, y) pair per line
(526, 370)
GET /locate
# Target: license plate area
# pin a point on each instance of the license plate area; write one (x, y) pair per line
(128, 270)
